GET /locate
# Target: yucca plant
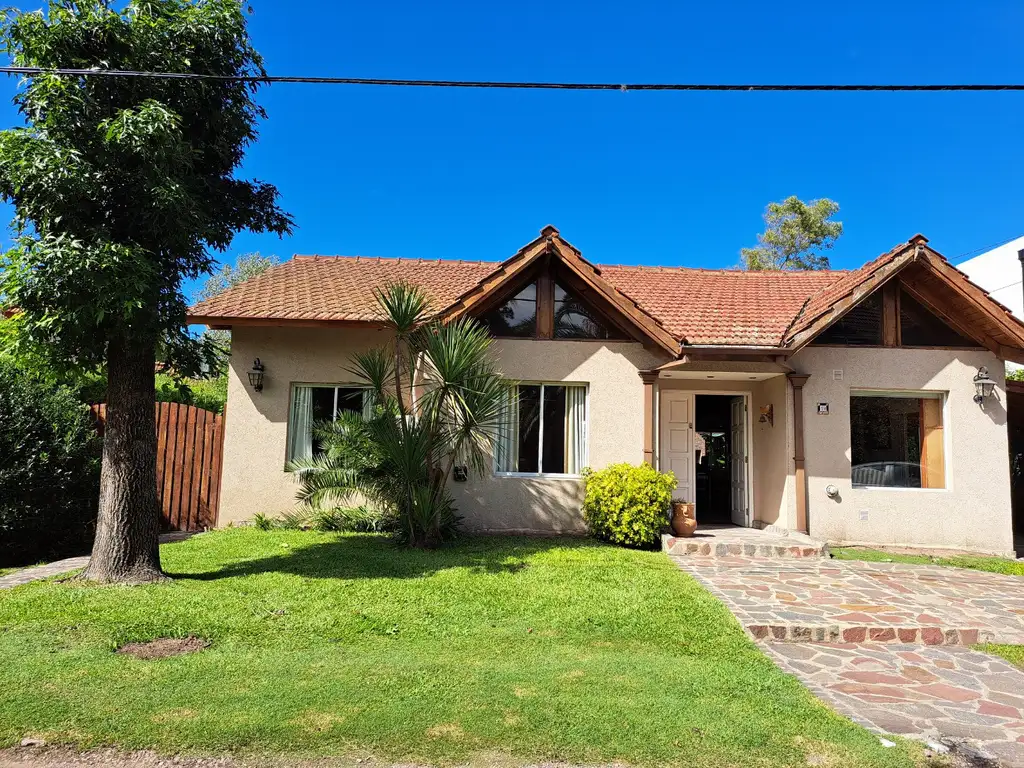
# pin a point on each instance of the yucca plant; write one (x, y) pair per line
(438, 402)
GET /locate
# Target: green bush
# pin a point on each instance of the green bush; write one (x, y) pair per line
(49, 470)
(360, 519)
(628, 505)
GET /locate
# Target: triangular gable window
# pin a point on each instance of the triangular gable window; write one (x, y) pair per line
(919, 327)
(575, 319)
(517, 316)
(865, 324)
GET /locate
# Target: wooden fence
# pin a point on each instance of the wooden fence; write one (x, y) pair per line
(190, 444)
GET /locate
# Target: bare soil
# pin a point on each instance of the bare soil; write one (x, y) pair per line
(163, 647)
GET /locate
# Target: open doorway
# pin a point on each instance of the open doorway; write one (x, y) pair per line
(721, 459)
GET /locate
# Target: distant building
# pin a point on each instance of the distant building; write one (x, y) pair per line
(999, 272)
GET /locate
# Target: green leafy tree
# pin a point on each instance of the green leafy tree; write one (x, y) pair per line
(795, 235)
(246, 266)
(121, 188)
(402, 457)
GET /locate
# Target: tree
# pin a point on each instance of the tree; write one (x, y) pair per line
(402, 456)
(795, 234)
(246, 266)
(121, 187)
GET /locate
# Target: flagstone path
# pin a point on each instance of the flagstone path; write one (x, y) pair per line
(885, 643)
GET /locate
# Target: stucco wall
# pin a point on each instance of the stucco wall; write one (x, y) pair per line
(972, 512)
(256, 428)
(535, 505)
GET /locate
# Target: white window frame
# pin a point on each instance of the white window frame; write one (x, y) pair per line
(318, 385)
(540, 432)
(947, 445)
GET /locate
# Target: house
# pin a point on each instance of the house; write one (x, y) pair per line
(844, 404)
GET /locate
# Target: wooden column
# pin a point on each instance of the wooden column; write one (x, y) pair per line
(649, 377)
(798, 380)
(891, 314)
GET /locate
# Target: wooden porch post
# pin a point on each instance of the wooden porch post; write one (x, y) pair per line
(649, 377)
(798, 380)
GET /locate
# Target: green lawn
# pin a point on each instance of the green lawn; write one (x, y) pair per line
(976, 562)
(348, 645)
(1012, 653)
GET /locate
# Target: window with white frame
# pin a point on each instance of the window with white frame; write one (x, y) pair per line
(897, 440)
(316, 403)
(545, 431)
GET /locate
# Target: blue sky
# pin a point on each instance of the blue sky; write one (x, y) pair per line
(652, 178)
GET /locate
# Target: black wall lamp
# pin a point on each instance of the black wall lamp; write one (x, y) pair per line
(984, 385)
(256, 375)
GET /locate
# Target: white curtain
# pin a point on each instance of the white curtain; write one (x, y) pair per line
(507, 448)
(368, 399)
(575, 429)
(300, 424)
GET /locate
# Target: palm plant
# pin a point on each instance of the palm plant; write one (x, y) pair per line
(438, 402)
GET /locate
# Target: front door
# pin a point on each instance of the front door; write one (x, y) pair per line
(738, 460)
(676, 443)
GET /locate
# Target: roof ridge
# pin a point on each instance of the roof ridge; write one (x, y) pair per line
(406, 259)
(726, 270)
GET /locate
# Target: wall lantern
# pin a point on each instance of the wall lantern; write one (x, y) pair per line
(984, 385)
(256, 375)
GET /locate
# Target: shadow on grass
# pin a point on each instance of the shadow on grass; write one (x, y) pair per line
(378, 557)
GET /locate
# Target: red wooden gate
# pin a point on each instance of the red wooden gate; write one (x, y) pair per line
(190, 444)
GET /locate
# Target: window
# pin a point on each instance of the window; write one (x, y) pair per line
(860, 327)
(897, 441)
(545, 431)
(516, 317)
(311, 404)
(574, 319)
(920, 328)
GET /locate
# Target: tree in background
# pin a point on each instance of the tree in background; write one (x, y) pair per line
(121, 185)
(795, 234)
(246, 266)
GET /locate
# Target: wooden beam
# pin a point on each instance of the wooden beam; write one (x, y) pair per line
(891, 314)
(798, 380)
(545, 301)
(649, 378)
(226, 323)
(923, 294)
(959, 283)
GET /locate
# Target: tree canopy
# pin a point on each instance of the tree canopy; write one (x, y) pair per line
(796, 233)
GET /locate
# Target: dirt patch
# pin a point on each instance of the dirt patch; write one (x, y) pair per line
(163, 647)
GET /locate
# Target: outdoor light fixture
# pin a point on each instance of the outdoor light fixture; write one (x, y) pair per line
(256, 375)
(984, 385)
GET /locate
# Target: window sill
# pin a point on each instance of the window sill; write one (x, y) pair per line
(897, 488)
(540, 475)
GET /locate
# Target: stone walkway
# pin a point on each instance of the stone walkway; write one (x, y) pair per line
(35, 573)
(925, 692)
(884, 643)
(820, 600)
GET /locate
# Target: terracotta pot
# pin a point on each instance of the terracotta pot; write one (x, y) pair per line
(684, 521)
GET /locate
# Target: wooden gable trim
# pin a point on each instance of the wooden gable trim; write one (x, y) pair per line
(498, 280)
(933, 305)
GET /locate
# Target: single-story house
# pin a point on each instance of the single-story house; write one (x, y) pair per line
(863, 407)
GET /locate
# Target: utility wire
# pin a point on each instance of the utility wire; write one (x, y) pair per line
(34, 71)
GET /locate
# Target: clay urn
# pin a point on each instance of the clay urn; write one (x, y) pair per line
(684, 520)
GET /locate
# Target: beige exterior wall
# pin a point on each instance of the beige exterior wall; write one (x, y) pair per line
(972, 512)
(254, 479)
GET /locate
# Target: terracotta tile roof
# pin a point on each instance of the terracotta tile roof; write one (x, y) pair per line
(731, 307)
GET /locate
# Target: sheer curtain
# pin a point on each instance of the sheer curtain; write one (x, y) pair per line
(300, 424)
(507, 448)
(575, 429)
(368, 404)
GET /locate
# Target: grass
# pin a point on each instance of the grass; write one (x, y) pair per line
(975, 562)
(5, 571)
(1012, 653)
(347, 645)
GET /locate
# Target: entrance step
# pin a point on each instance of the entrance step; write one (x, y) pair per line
(873, 633)
(730, 541)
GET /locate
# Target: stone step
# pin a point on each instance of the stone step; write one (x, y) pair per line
(851, 633)
(770, 547)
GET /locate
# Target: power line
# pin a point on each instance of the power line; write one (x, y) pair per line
(892, 87)
(988, 247)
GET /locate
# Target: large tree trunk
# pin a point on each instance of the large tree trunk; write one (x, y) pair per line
(126, 549)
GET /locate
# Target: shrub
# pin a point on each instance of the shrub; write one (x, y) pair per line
(49, 470)
(360, 519)
(627, 505)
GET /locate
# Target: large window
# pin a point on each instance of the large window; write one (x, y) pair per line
(312, 404)
(545, 431)
(575, 319)
(517, 316)
(897, 440)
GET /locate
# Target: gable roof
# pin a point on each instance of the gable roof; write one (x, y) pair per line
(675, 307)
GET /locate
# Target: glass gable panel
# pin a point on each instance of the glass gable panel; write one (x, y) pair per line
(920, 328)
(860, 327)
(516, 317)
(574, 319)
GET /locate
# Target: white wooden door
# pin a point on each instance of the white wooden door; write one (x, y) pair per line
(738, 460)
(676, 444)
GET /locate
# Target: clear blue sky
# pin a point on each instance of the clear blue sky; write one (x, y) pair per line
(652, 178)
